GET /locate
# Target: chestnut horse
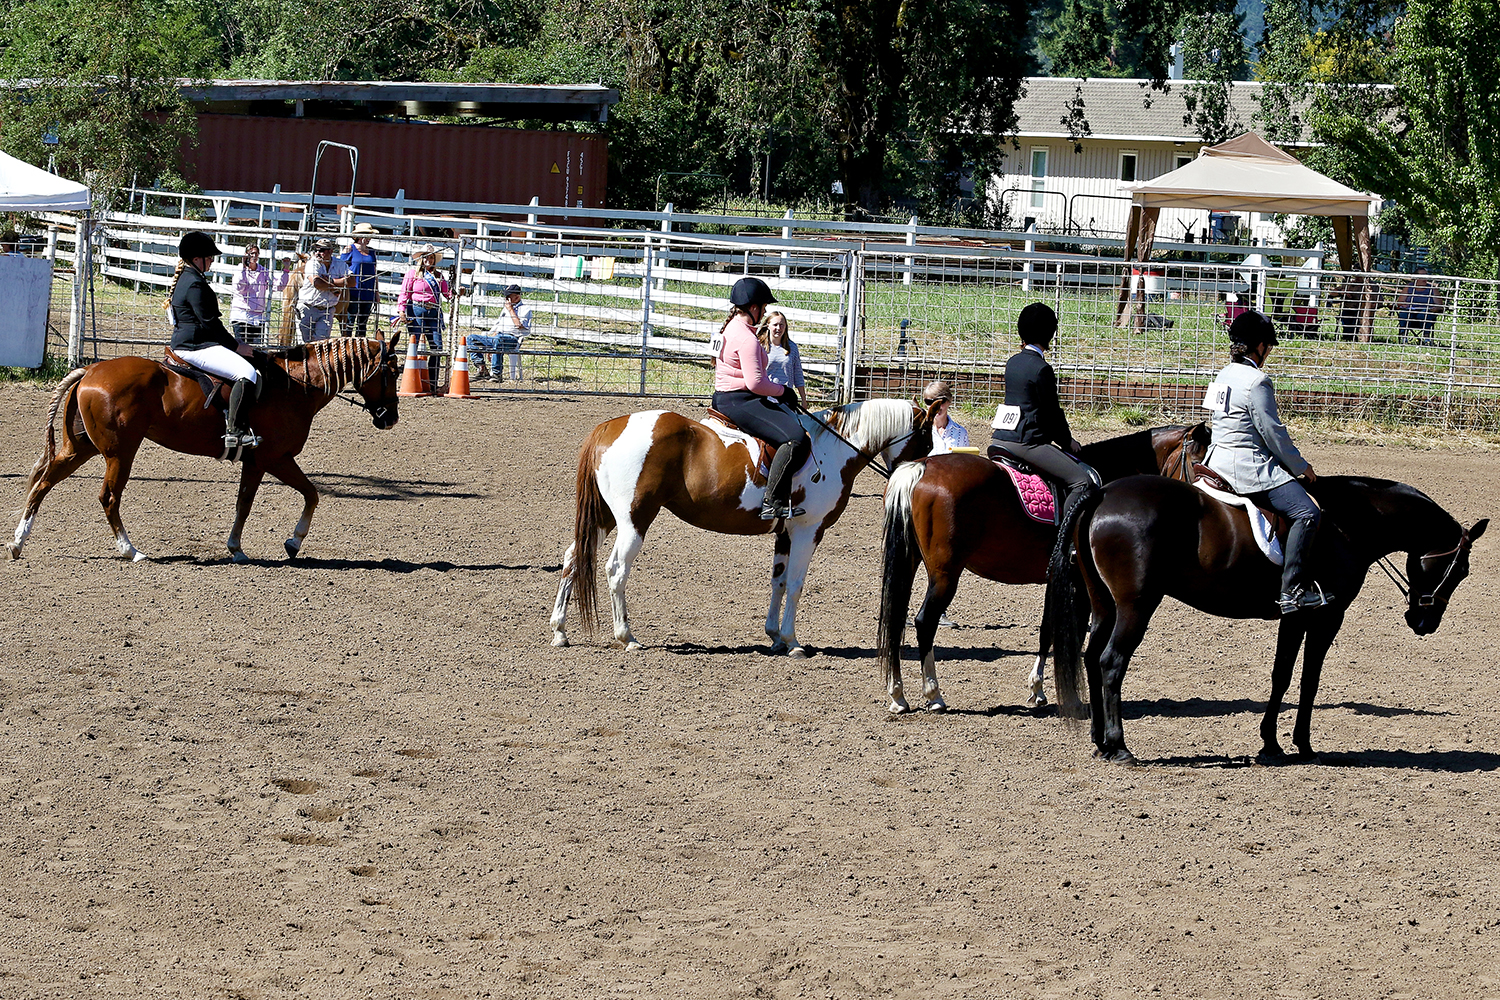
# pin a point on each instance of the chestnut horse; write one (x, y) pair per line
(632, 467)
(958, 512)
(110, 407)
(1148, 538)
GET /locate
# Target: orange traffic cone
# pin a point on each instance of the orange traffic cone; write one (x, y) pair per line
(414, 375)
(458, 379)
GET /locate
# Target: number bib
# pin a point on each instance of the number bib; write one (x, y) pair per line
(1007, 418)
(716, 344)
(1217, 398)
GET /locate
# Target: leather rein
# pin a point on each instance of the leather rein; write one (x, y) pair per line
(1404, 585)
(874, 460)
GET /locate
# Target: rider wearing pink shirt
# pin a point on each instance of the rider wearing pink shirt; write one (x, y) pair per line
(744, 394)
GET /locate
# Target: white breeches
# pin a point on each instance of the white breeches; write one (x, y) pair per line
(221, 361)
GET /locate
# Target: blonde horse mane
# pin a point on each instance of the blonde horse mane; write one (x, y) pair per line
(872, 423)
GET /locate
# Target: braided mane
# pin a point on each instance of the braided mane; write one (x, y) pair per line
(330, 365)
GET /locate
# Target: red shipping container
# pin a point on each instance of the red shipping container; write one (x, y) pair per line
(462, 163)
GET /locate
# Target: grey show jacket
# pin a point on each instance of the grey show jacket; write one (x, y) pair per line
(1251, 448)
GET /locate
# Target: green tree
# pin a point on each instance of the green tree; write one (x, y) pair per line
(102, 75)
(1087, 38)
(1214, 55)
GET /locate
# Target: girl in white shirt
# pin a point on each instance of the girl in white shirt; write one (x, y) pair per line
(946, 435)
(784, 364)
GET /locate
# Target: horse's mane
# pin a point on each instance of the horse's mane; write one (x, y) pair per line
(872, 420)
(329, 365)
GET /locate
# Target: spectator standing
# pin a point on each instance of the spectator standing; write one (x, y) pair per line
(421, 299)
(1417, 308)
(250, 306)
(323, 281)
(946, 434)
(506, 335)
(783, 360)
(360, 263)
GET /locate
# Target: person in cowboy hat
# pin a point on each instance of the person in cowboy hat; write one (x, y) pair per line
(744, 394)
(1254, 454)
(422, 293)
(199, 337)
(505, 335)
(360, 263)
(323, 281)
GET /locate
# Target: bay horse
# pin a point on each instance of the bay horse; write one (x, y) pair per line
(111, 407)
(632, 467)
(959, 512)
(1147, 539)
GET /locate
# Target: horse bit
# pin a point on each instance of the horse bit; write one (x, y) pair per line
(1404, 585)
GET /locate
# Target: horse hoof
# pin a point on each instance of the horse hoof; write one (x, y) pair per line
(239, 558)
(139, 556)
(797, 653)
(899, 707)
(632, 646)
(1121, 756)
(1271, 755)
(559, 640)
(1037, 701)
(936, 705)
(12, 550)
(292, 547)
(777, 648)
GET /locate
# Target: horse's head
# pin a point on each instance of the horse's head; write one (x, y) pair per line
(918, 443)
(380, 383)
(1434, 576)
(1177, 448)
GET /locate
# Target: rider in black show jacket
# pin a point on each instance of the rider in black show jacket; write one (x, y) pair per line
(1030, 424)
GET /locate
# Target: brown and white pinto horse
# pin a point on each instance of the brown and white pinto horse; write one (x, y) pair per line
(958, 512)
(111, 407)
(632, 467)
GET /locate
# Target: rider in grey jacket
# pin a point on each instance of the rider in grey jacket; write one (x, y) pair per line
(1254, 453)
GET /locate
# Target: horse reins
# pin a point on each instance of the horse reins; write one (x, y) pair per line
(1404, 585)
(881, 469)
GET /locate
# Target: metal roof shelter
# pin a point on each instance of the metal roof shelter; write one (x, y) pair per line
(1250, 174)
(379, 98)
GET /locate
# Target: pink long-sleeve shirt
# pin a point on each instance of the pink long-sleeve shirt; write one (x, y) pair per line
(414, 288)
(741, 363)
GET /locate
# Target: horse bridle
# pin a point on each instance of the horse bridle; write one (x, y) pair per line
(1434, 598)
(874, 460)
(375, 412)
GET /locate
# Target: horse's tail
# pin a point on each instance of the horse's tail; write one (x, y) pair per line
(591, 520)
(63, 394)
(1067, 603)
(899, 564)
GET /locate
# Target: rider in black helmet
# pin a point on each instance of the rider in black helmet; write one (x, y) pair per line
(200, 339)
(744, 394)
(1254, 453)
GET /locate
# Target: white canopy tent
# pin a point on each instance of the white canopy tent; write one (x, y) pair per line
(1249, 174)
(26, 283)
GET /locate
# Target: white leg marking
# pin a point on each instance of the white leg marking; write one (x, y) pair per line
(617, 568)
(564, 592)
(23, 531)
(122, 543)
(930, 692)
(797, 562)
(1038, 697)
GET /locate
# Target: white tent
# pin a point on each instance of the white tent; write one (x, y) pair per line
(24, 188)
(1250, 174)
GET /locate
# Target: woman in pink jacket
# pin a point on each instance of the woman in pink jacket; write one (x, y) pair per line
(744, 394)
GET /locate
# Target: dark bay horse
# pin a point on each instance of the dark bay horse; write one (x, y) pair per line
(958, 512)
(109, 408)
(632, 467)
(1150, 538)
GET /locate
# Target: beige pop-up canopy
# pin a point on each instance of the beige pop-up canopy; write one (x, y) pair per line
(1249, 174)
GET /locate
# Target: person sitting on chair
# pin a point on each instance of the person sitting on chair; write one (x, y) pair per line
(199, 337)
(1254, 454)
(1030, 425)
(744, 394)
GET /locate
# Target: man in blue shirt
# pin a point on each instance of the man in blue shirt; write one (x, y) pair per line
(361, 264)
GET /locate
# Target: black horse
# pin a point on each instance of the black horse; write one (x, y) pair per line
(1150, 537)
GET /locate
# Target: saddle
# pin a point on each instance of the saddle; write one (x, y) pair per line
(762, 457)
(215, 389)
(1276, 525)
(1037, 496)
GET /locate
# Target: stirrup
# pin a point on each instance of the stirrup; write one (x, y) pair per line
(1301, 599)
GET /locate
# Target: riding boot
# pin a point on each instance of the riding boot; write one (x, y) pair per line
(777, 503)
(236, 435)
(1294, 593)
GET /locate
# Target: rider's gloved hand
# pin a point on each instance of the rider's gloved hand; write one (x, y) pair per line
(789, 397)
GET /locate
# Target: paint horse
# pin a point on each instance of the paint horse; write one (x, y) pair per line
(1149, 538)
(633, 467)
(959, 512)
(112, 407)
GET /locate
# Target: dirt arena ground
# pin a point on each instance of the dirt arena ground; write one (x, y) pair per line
(367, 774)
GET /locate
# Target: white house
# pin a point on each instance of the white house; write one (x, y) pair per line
(1048, 183)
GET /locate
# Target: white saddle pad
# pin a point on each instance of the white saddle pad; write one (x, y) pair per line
(1264, 536)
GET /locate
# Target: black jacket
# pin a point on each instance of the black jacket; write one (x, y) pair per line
(197, 310)
(1031, 385)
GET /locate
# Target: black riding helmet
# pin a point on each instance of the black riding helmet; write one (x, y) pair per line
(1251, 328)
(196, 244)
(750, 292)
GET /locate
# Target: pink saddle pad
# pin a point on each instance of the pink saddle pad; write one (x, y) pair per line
(1036, 495)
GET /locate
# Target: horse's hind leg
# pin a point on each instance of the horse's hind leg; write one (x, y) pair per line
(250, 477)
(565, 591)
(1125, 638)
(628, 542)
(48, 475)
(116, 475)
(290, 473)
(1037, 695)
(941, 586)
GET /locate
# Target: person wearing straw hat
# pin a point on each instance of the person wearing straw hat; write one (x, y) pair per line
(323, 281)
(421, 299)
(361, 265)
